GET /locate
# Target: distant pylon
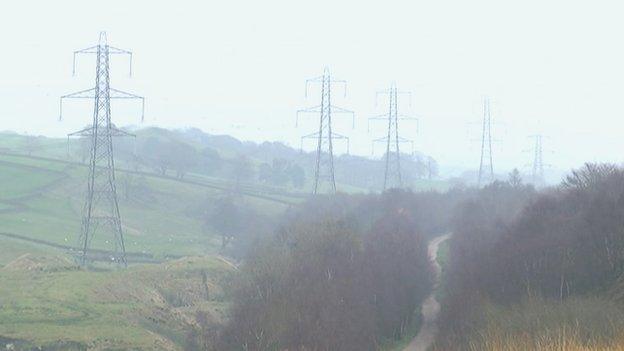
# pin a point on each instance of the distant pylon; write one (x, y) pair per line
(392, 171)
(486, 167)
(538, 160)
(101, 208)
(324, 166)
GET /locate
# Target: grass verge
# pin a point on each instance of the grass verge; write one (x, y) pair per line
(576, 324)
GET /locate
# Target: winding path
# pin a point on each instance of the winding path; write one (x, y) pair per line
(431, 306)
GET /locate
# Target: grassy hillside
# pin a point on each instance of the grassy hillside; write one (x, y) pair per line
(43, 199)
(46, 301)
(44, 181)
(215, 157)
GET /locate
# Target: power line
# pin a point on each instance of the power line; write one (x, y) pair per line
(324, 165)
(101, 208)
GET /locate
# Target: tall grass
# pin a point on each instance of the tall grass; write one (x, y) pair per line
(551, 340)
(575, 324)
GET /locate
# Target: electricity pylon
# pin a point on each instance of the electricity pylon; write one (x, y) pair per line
(486, 167)
(324, 167)
(538, 165)
(392, 173)
(538, 160)
(101, 208)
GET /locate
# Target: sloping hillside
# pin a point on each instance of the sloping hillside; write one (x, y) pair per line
(162, 216)
(48, 302)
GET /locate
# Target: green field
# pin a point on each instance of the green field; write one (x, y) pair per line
(46, 301)
(43, 199)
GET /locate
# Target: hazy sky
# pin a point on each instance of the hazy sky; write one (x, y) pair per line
(238, 67)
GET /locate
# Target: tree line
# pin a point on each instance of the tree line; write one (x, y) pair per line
(180, 152)
(338, 273)
(512, 243)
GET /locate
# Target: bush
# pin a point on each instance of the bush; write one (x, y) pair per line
(339, 275)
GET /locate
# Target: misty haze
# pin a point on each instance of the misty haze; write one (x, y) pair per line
(311, 176)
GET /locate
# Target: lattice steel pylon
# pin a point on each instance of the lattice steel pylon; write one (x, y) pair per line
(101, 208)
(392, 172)
(324, 166)
(537, 173)
(486, 166)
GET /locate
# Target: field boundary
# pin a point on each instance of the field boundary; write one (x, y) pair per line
(101, 255)
(244, 191)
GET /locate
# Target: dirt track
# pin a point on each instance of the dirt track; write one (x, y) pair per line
(431, 307)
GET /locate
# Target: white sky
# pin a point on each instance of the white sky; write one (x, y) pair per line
(238, 67)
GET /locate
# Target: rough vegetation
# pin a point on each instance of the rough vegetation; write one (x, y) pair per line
(47, 302)
(525, 269)
(343, 276)
(220, 203)
(552, 261)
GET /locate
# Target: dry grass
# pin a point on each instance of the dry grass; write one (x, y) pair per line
(578, 324)
(562, 340)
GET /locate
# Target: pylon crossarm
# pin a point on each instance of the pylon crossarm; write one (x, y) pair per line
(382, 117)
(83, 94)
(314, 135)
(336, 109)
(339, 136)
(340, 81)
(385, 140)
(314, 109)
(89, 50)
(94, 50)
(381, 140)
(336, 136)
(410, 118)
(114, 131)
(117, 51)
(82, 132)
(90, 94)
(311, 135)
(312, 80)
(319, 79)
(118, 94)
(407, 118)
